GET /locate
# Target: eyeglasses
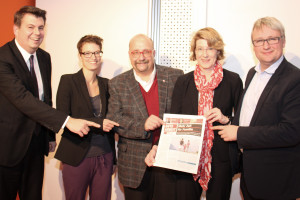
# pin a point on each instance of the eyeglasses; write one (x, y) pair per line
(136, 53)
(208, 50)
(270, 41)
(89, 54)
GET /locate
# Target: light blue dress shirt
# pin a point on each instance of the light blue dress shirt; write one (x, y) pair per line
(254, 91)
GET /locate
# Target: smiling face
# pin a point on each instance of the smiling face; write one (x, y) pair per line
(267, 54)
(142, 64)
(94, 62)
(206, 56)
(30, 33)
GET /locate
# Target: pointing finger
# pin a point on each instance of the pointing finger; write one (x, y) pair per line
(217, 128)
(89, 123)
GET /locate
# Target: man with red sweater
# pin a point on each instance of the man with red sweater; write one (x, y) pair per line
(138, 100)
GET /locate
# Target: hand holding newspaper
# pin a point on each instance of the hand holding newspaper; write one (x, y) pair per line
(180, 142)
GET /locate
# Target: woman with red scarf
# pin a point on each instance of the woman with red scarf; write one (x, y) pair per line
(213, 92)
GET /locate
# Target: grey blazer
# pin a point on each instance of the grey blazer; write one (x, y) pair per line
(127, 107)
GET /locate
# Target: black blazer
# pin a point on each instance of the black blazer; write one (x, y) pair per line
(19, 109)
(226, 98)
(73, 98)
(271, 158)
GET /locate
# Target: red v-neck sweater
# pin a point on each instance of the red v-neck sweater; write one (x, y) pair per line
(152, 104)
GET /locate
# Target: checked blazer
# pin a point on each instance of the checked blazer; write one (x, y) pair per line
(127, 107)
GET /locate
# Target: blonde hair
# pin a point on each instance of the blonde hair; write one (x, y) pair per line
(270, 22)
(213, 39)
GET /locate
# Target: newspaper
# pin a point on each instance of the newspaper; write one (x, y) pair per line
(180, 142)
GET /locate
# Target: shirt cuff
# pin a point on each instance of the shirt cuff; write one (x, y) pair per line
(64, 124)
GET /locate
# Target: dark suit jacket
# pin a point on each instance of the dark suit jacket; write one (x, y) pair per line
(20, 110)
(271, 158)
(73, 98)
(128, 108)
(226, 98)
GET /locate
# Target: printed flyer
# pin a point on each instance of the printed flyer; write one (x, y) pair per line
(180, 142)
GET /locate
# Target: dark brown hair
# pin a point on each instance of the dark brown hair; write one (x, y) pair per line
(28, 10)
(89, 39)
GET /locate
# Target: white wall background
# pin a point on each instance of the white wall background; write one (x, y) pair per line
(234, 19)
(116, 21)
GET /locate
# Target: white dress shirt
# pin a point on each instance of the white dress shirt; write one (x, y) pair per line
(146, 84)
(37, 71)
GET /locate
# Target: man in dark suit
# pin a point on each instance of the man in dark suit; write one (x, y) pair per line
(27, 120)
(268, 119)
(138, 100)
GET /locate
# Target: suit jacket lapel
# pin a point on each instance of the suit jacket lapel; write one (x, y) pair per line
(44, 74)
(26, 75)
(217, 96)
(136, 93)
(19, 56)
(273, 80)
(194, 94)
(163, 82)
(81, 85)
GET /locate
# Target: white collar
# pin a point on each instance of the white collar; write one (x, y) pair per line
(141, 81)
(146, 84)
(24, 53)
(272, 68)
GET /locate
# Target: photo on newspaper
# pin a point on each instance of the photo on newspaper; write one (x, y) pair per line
(180, 142)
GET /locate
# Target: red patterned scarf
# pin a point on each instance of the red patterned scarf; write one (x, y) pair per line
(206, 94)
